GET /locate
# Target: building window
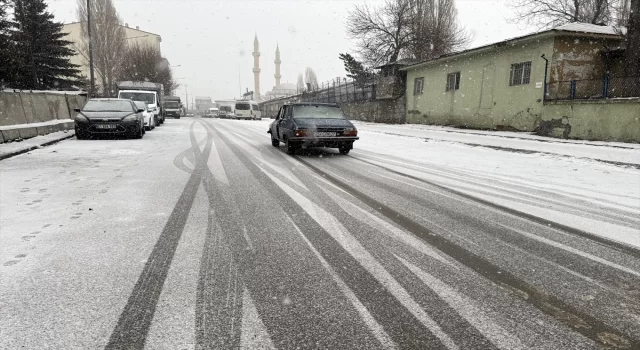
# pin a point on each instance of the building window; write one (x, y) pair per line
(453, 81)
(520, 73)
(418, 86)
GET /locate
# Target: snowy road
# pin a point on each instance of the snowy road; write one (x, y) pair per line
(202, 235)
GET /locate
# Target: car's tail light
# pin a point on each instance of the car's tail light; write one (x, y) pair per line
(301, 133)
(351, 132)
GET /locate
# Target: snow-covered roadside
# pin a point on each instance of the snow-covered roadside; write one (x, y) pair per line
(567, 183)
(16, 147)
(517, 142)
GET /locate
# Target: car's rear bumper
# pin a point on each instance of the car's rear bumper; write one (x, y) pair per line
(324, 141)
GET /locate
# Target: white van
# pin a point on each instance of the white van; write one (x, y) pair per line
(248, 110)
(213, 112)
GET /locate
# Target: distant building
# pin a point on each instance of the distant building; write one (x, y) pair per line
(133, 36)
(203, 104)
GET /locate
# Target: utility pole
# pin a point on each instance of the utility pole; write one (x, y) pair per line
(187, 92)
(92, 83)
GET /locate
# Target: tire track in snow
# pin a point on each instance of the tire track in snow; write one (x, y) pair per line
(135, 320)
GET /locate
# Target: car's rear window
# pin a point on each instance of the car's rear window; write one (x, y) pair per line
(317, 112)
(243, 106)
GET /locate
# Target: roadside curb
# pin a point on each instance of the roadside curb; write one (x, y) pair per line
(31, 148)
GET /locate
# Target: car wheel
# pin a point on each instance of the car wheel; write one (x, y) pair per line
(139, 134)
(344, 149)
(291, 147)
(275, 142)
(82, 135)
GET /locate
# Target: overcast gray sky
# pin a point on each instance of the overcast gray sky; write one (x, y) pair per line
(212, 41)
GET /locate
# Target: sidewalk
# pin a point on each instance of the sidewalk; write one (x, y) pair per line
(11, 149)
(617, 153)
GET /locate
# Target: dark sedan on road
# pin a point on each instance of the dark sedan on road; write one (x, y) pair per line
(302, 125)
(109, 116)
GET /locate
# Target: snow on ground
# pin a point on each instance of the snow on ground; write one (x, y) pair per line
(562, 181)
(34, 142)
(589, 185)
(520, 141)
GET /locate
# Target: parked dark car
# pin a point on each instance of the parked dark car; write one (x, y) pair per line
(302, 125)
(109, 116)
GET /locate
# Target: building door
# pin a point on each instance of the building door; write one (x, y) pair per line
(488, 82)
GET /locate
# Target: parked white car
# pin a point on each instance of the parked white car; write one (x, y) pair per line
(150, 119)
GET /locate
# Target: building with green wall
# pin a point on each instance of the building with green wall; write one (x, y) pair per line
(502, 85)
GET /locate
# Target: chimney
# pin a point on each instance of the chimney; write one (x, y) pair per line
(126, 25)
(137, 28)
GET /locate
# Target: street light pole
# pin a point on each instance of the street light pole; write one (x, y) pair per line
(92, 83)
(187, 92)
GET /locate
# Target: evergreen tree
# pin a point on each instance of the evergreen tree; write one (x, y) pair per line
(42, 53)
(7, 60)
(356, 70)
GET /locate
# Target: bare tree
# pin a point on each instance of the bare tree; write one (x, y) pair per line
(622, 10)
(382, 34)
(434, 29)
(300, 83)
(311, 79)
(419, 29)
(553, 13)
(145, 63)
(108, 39)
(632, 51)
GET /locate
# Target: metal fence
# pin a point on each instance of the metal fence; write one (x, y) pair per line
(339, 90)
(590, 89)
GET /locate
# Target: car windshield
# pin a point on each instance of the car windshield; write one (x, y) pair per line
(380, 174)
(172, 104)
(243, 106)
(149, 98)
(317, 112)
(107, 106)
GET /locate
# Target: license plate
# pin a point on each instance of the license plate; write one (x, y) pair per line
(105, 126)
(324, 134)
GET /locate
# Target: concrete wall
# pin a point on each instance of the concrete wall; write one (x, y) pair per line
(577, 58)
(11, 111)
(390, 111)
(485, 99)
(25, 115)
(607, 120)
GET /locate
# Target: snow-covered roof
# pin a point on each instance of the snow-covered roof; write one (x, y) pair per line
(576, 27)
(589, 28)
